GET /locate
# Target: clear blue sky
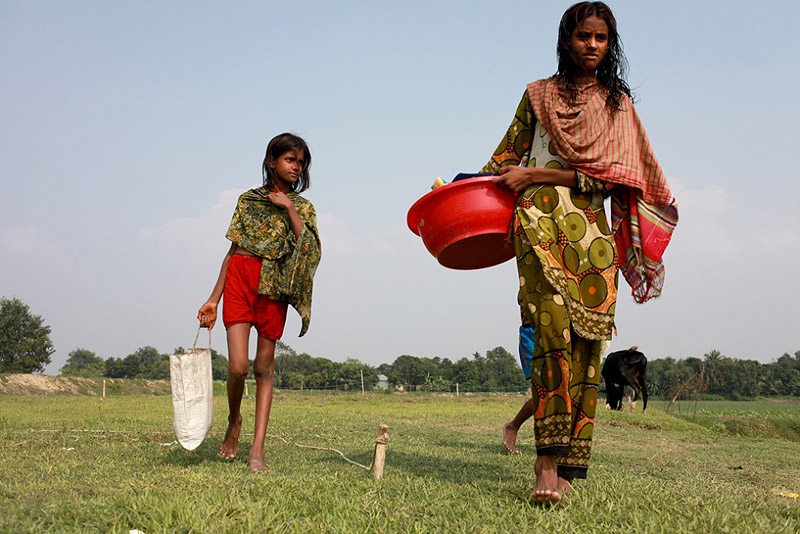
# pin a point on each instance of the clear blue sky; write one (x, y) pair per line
(129, 128)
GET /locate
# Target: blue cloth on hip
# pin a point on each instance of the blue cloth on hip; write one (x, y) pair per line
(526, 349)
(468, 175)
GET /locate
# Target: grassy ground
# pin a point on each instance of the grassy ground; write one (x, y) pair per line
(83, 464)
(774, 418)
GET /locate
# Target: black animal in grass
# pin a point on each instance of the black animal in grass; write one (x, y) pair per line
(625, 368)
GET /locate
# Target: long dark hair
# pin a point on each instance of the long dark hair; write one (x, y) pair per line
(278, 146)
(612, 70)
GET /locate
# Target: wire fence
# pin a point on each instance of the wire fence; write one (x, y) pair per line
(455, 388)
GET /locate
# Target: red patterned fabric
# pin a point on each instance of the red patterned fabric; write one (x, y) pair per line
(614, 147)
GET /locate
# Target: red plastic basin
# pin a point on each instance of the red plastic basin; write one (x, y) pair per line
(465, 224)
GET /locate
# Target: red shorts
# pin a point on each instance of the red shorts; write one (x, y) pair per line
(241, 302)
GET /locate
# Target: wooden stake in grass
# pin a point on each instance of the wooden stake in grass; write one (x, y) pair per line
(379, 456)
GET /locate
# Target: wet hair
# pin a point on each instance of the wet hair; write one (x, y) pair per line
(277, 147)
(612, 70)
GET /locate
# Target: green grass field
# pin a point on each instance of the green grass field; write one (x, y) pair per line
(773, 418)
(86, 464)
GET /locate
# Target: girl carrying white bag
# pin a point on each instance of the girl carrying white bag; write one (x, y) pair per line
(192, 394)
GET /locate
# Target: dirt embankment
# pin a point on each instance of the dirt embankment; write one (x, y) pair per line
(42, 385)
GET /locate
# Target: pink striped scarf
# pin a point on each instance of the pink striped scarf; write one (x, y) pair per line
(615, 148)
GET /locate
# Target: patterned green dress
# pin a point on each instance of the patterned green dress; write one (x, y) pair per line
(567, 264)
(288, 263)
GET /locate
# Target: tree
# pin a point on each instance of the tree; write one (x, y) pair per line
(146, 362)
(436, 384)
(350, 373)
(324, 374)
(85, 363)
(503, 371)
(408, 371)
(467, 374)
(289, 362)
(783, 375)
(714, 377)
(219, 366)
(284, 354)
(25, 345)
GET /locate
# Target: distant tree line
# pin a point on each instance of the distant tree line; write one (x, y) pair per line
(496, 371)
(714, 376)
(146, 363)
(722, 377)
(25, 347)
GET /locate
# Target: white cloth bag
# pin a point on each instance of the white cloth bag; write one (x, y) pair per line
(192, 394)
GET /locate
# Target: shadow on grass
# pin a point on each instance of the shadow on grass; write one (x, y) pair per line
(453, 470)
(208, 451)
(488, 449)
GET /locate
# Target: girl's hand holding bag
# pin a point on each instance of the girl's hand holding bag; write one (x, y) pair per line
(192, 394)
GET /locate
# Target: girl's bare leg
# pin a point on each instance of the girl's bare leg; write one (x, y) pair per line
(511, 428)
(263, 369)
(238, 367)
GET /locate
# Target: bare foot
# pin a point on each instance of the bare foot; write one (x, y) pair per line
(564, 486)
(547, 487)
(230, 445)
(257, 466)
(510, 438)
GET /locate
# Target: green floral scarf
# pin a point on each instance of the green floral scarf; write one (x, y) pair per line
(289, 263)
